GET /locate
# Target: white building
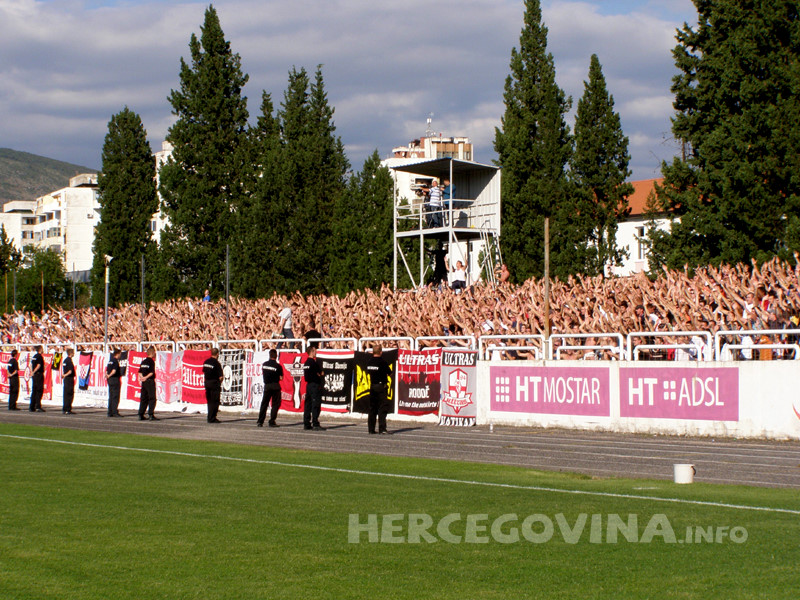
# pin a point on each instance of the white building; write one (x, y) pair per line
(632, 232)
(63, 221)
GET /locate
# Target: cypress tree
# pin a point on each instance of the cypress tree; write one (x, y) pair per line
(598, 169)
(202, 185)
(735, 190)
(262, 219)
(127, 198)
(312, 178)
(362, 230)
(533, 146)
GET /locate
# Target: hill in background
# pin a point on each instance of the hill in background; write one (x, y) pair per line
(25, 176)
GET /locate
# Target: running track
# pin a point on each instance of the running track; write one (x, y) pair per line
(718, 460)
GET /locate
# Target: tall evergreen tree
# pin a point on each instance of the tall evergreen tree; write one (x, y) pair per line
(362, 230)
(127, 197)
(262, 220)
(311, 179)
(202, 183)
(533, 146)
(599, 168)
(735, 192)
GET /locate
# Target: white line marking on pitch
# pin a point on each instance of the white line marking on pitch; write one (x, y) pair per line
(534, 488)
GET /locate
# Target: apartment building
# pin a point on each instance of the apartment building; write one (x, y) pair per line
(62, 221)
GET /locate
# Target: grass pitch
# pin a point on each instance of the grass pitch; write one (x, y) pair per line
(123, 516)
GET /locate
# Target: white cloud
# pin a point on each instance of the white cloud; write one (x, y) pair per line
(67, 68)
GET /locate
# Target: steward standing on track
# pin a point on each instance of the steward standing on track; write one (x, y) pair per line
(68, 377)
(37, 386)
(212, 371)
(312, 372)
(13, 381)
(273, 374)
(147, 376)
(112, 376)
(379, 374)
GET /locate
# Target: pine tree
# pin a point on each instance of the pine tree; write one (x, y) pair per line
(262, 219)
(362, 230)
(311, 179)
(735, 191)
(127, 197)
(599, 168)
(533, 147)
(202, 185)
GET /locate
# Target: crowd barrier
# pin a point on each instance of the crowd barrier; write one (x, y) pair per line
(702, 345)
(455, 385)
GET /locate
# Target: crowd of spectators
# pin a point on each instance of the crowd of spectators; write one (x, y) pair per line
(749, 297)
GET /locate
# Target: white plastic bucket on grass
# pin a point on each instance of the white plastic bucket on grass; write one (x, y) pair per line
(684, 473)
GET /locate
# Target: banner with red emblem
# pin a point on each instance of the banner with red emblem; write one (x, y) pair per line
(459, 373)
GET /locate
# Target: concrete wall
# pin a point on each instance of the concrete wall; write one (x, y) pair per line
(750, 399)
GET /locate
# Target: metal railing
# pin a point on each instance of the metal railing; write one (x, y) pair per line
(537, 350)
(662, 334)
(703, 350)
(726, 333)
(445, 338)
(585, 336)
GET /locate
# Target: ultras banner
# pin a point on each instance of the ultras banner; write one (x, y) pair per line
(232, 362)
(168, 376)
(361, 404)
(134, 388)
(254, 378)
(337, 385)
(192, 379)
(293, 386)
(5, 357)
(92, 385)
(458, 379)
(418, 386)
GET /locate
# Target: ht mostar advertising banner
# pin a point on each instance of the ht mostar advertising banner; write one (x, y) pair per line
(418, 385)
(458, 385)
(550, 390)
(705, 394)
(337, 374)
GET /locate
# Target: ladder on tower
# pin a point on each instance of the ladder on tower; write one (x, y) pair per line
(492, 256)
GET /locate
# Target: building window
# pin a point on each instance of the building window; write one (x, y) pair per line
(641, 243)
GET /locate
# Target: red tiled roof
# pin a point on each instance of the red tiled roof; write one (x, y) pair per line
(637, 201)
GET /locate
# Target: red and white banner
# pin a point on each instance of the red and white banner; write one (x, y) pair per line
(134, 387)
(168, 377)
(418, 384)
(293, 386)
(192, 379)
(459, 387)
(5, 357)
(254, 378)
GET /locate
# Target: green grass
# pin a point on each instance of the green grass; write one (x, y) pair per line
(81, 521)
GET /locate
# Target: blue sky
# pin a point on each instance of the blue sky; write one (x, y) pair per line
(66, 66)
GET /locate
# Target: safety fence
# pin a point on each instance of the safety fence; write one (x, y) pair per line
(723, 346)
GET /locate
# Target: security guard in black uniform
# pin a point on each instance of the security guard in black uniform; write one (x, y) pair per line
(213, 376)
(147, 376)
(113, 372)
(312, 373)
(13, 381)
(273, 374)
(68, 378)
(37, 377)
(379, 374)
